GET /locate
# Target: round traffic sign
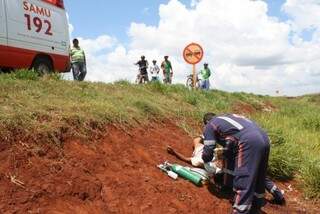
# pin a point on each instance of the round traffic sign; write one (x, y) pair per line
(193, 53)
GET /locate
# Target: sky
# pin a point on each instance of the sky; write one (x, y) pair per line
(253, 46)
(113, 18)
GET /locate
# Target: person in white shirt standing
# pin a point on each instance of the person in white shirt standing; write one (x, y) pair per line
(154, 70)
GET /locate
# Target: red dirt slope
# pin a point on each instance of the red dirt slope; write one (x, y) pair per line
(115, 175)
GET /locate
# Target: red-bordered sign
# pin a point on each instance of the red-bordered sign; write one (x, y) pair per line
(193, 53)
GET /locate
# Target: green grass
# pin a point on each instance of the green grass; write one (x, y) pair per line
(45, 109)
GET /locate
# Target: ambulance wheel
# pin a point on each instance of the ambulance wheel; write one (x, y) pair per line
(43, 65)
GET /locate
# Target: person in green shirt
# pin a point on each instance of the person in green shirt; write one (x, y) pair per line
(78, 61)
(166, 67)
(205, 74)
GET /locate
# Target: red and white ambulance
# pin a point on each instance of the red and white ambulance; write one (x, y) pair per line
(34, 34)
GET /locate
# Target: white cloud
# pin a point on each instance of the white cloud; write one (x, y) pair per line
(71, 28)
(101, 43)
(247, 49)
(194, 3)
(304, 13)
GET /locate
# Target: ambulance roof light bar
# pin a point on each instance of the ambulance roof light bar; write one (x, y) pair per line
(58, 3)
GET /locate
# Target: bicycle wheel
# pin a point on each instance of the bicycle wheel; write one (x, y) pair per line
(138, 79)
(199, 83)
(189, 82)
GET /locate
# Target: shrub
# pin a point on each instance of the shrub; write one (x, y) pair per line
(158, 87)
(312, 123)
(277, 137)
(24, 75)
(315, 98)
(283, 162)
(146, 108)
(122, 82)
(191, 98)
(310, 172)
(177, 88)
(53, 76)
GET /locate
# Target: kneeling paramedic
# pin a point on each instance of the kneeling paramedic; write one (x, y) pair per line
(249, 145)
(196, 161)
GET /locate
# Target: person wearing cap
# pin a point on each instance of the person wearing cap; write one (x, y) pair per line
(143, 70)
(154, 70)
(166, 67)
(78, 61)
(205, 74)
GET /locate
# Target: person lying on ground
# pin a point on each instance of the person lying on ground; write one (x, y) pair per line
(196, 161)
(196, 158)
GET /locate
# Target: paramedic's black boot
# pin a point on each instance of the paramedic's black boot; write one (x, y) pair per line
(218, 179)
(278, 197)
(279, 201)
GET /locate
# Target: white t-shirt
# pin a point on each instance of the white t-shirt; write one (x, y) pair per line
(154, 70)
(196, 159)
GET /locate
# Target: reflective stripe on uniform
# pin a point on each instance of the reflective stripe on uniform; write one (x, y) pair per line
(259, 195)
(240, 155)
(77, 55)
(274, 188)
(242, 208)
(209, 142)
(228, 171)
(232, 122)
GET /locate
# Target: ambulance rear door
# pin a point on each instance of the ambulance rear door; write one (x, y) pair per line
(3, 35)
(38, 26)
(3, 25)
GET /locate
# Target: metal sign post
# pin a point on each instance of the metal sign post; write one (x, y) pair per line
(194, 75)
(193, 54)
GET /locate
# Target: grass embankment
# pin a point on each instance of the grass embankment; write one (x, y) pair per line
(45, 109)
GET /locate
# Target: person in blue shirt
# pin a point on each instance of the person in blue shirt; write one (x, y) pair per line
(248, 146)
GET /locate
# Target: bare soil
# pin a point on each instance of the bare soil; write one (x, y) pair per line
(116, 174)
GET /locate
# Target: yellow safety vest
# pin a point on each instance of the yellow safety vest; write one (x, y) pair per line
(77, 55)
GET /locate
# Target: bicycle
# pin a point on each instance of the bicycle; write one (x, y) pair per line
(142, 78)
(190, 81)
